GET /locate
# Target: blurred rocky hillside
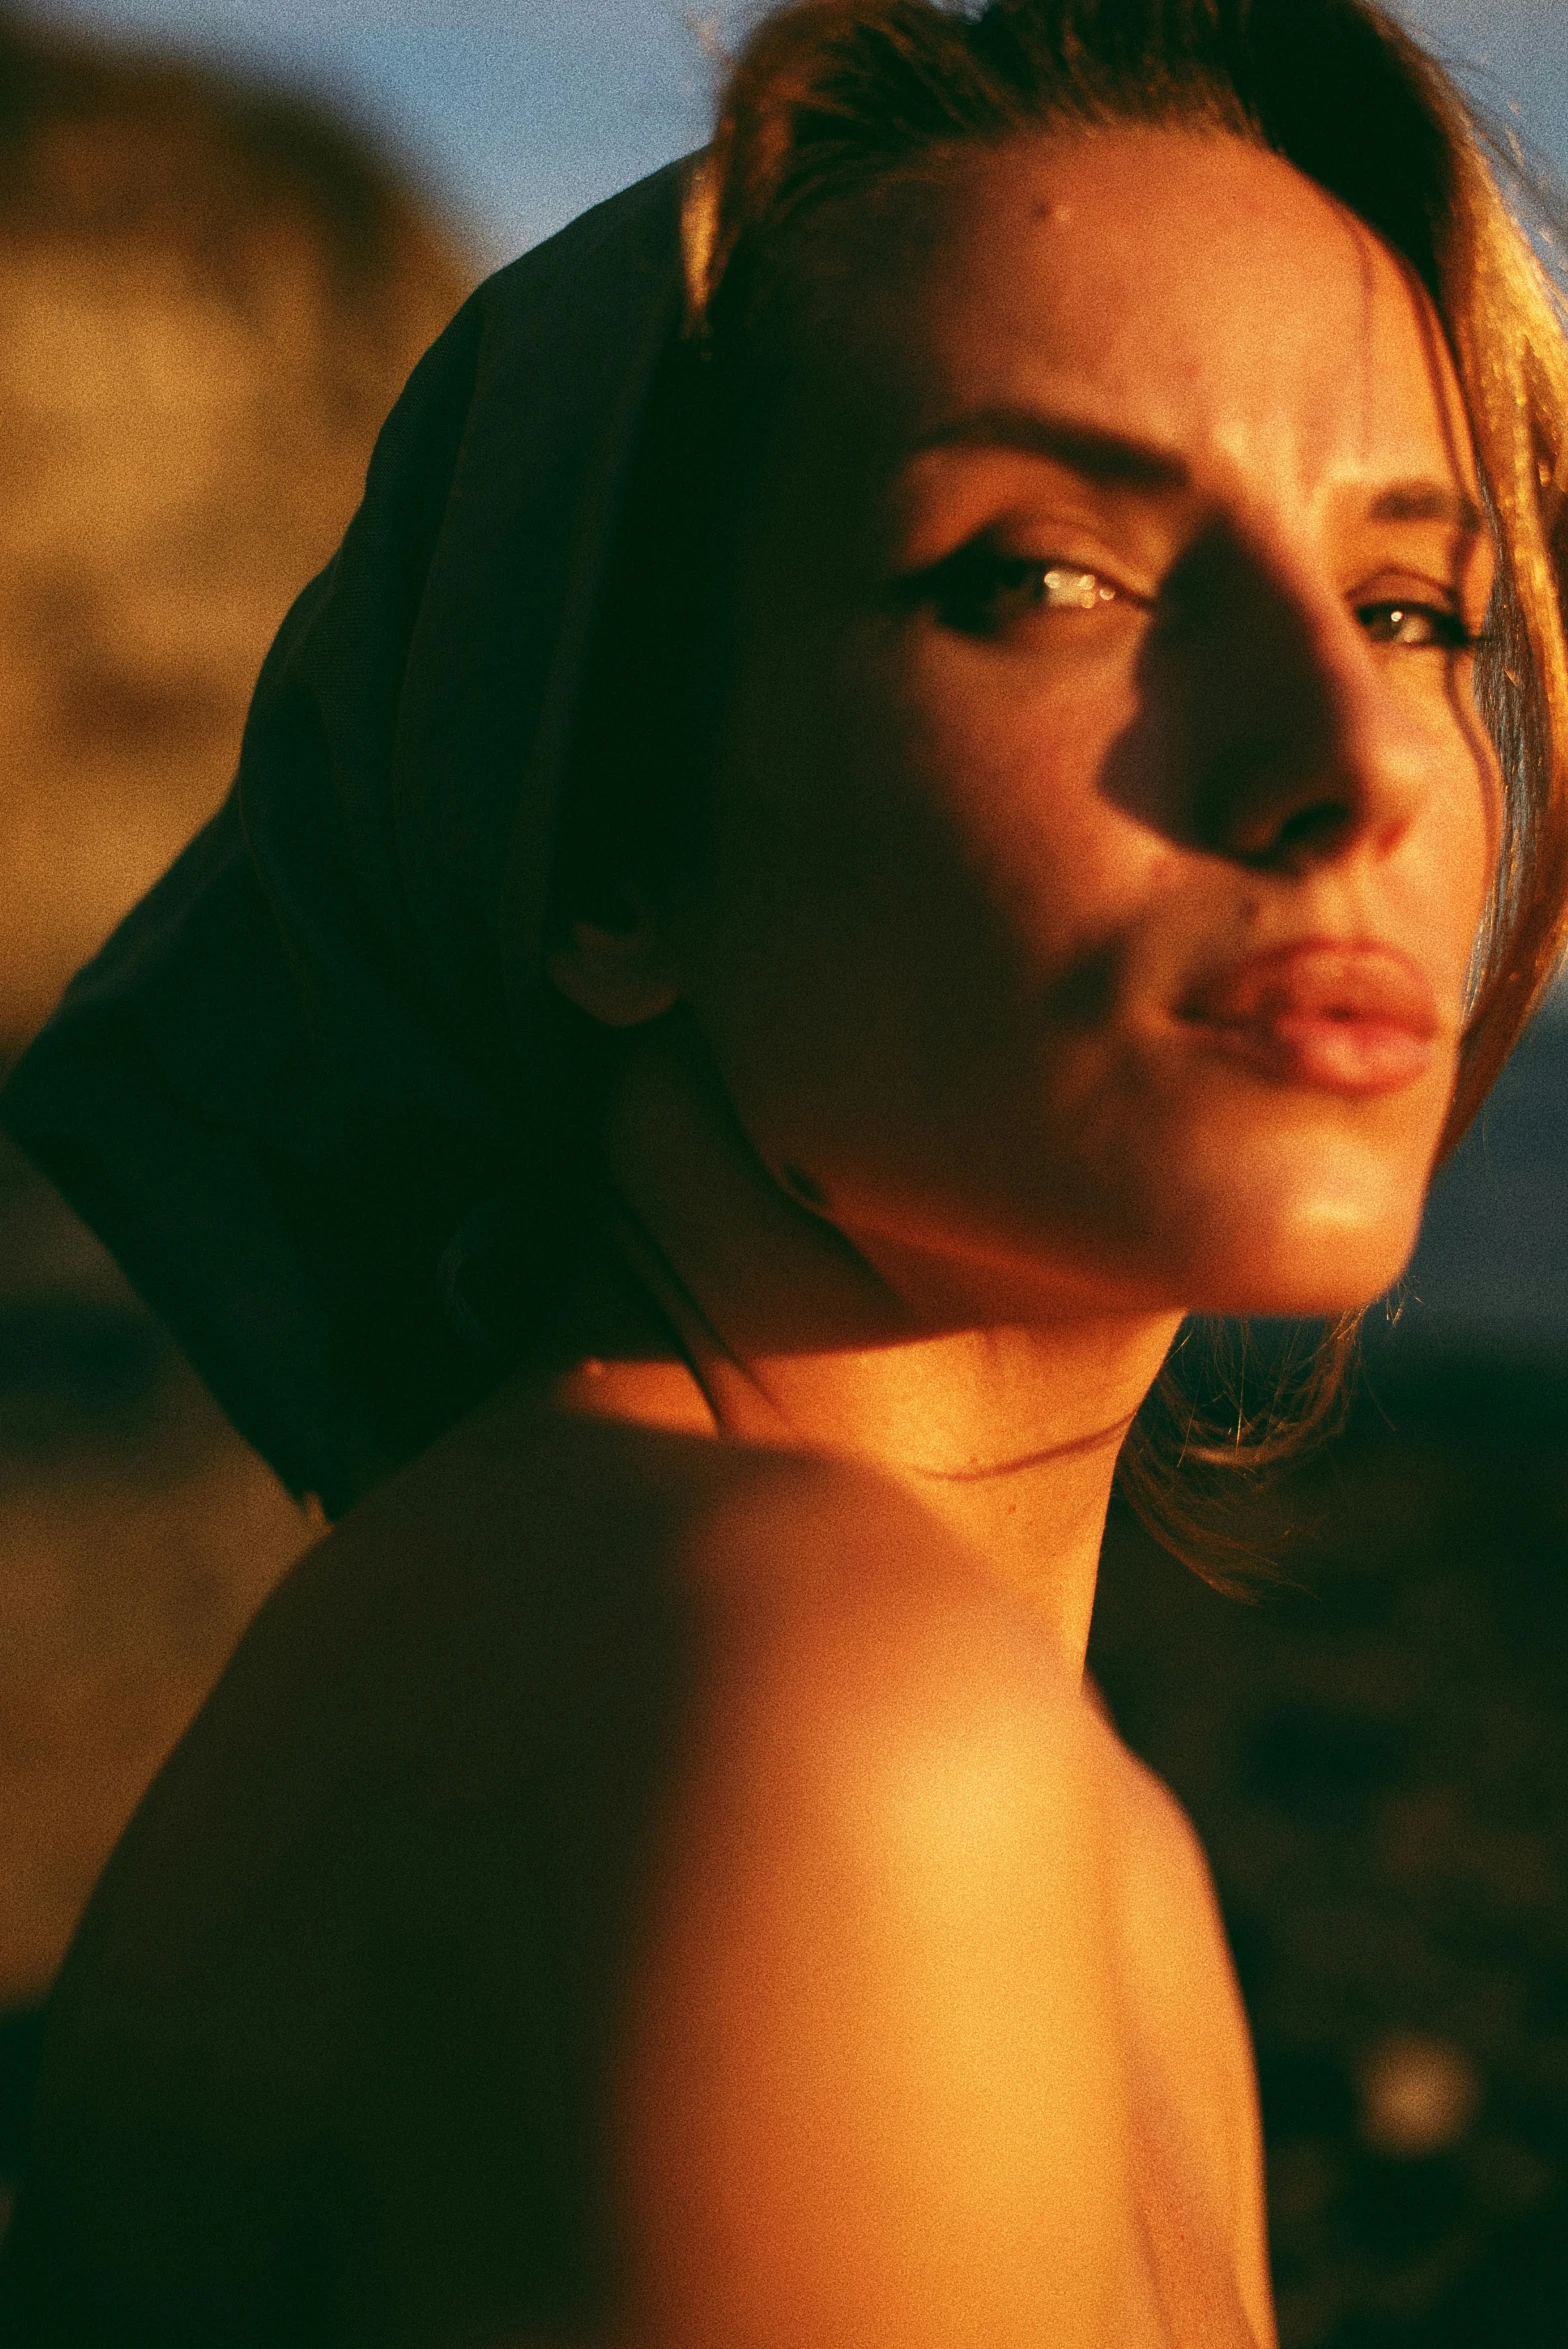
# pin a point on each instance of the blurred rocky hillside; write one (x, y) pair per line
(209, 297)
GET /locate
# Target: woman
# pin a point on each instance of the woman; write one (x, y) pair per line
(938, 744)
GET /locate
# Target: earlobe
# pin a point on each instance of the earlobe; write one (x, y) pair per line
(619, 976)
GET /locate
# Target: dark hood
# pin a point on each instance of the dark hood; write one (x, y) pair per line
(309, 1060)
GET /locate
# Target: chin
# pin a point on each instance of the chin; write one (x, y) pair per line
(1314, 1217)
(1327, 1258)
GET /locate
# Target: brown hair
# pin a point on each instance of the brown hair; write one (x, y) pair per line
(837, 100)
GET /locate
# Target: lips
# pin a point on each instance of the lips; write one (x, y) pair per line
(1335, 1017)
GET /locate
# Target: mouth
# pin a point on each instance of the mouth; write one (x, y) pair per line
(1322, 1014)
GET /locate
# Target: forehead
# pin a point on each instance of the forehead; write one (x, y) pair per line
(1189, 289)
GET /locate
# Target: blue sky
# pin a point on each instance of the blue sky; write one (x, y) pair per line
(525, 111)
(522, 111)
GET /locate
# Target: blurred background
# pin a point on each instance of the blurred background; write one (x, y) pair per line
(227, 229)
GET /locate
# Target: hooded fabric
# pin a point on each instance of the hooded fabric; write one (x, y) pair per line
(308, 1063)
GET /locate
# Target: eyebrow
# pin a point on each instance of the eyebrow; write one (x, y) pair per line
(1429, 501)
(1112, 459)
(1121, 461)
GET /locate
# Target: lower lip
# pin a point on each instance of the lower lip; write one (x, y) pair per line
(1326, 1054)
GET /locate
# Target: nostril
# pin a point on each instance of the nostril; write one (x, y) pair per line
(1300, 837)
(1276, 804)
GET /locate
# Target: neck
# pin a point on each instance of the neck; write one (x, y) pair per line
(1007, 1429)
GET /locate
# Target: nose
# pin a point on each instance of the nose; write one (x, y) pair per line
(1303, 750)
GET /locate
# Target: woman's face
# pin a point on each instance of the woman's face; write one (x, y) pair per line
(1104, 820)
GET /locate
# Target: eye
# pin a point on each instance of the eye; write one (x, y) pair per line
(981, 593)
(1416, 627)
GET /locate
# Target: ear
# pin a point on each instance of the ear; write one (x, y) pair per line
(617, 970)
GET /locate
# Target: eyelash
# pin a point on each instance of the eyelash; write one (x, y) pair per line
(967, 589)
(1450, 633)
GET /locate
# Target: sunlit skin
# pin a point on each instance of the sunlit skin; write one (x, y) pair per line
(977, 859)
(719, 1840)
(1070, 958)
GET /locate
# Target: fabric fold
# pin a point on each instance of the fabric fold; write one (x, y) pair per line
(315, 1052)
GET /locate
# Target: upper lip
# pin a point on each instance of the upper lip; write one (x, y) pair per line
(1318, 978)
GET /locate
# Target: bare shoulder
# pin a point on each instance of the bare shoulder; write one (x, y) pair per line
(1168, 1869)
(876, 2083)
(575, 1741)
(380, 1899)
(1185, 2009)
(1169, 1907)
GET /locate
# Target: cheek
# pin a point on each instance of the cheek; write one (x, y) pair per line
(933, 912)
(940, 788)
(913, 863)
(1443, 883)
(1021, 877)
